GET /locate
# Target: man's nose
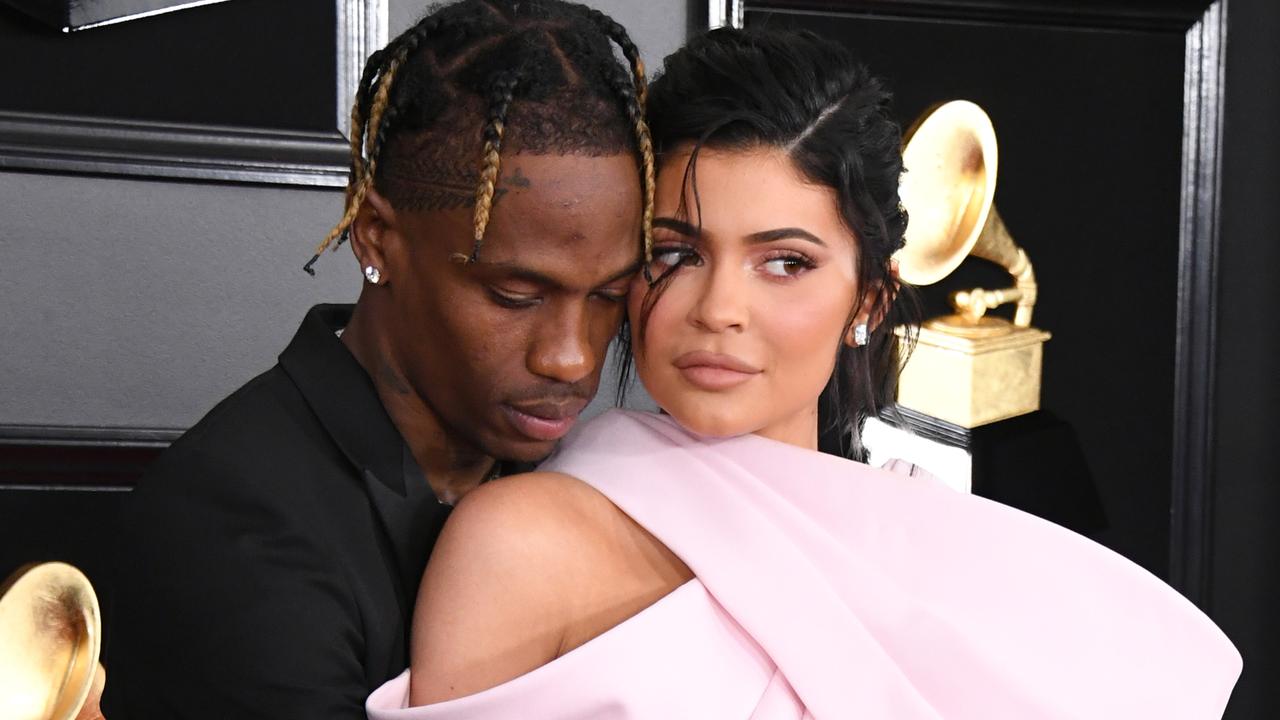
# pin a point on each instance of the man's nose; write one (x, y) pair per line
(562, 350)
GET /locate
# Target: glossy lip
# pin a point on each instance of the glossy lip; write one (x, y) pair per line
(714, 371)
(544, 421)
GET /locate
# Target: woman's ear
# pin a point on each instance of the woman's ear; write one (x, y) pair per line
(857, 335)
(863, 322)
(875, 306)
(372, 234)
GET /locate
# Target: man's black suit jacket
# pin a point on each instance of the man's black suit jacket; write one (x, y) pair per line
(271, 557)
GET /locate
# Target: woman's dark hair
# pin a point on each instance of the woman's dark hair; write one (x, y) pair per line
(747, 89)
(439, 104)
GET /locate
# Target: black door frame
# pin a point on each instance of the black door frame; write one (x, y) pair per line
(1204, 25)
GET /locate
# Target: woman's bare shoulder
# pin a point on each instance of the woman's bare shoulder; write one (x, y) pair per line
(540, 508)
(534, 526)
(505, 582)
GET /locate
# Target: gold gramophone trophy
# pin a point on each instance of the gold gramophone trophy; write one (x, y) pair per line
(50, 635)
(970, 368)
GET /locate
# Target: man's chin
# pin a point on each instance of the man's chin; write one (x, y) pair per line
(523, 450)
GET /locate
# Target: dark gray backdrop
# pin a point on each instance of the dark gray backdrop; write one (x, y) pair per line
(141, 303)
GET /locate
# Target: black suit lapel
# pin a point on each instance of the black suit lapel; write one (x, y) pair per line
(412, 519)
(344, 399)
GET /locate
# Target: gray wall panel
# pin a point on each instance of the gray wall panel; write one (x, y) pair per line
(657, 26)
(141, 303)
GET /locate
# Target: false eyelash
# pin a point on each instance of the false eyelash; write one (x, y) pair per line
(805, 262)
(686, 253)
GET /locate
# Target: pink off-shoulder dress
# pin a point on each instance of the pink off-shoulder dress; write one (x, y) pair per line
(828, 589)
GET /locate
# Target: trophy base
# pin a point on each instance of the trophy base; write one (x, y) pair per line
(973, 379)
(1033, 462)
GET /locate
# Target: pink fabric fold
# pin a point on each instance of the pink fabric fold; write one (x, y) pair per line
(682, 658)
(827, 589)
(884, 596)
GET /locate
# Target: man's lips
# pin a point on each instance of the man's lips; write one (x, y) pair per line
(544, 420)
(714, 371)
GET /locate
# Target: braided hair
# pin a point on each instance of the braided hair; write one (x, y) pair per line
(477, 78)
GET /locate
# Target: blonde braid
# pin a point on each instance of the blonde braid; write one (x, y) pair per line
(642, 83)
(650, 181)
(636, 111)
(625, 87)
(645, 141)
(362, 170)
(491, 162)
(358, 128)
(381, 98)
(357, 160)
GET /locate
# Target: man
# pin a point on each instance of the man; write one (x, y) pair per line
(272, 555)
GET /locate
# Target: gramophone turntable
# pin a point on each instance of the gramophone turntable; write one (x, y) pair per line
(968, 404)
(968, 368)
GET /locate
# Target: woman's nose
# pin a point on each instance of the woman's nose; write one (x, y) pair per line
(722, 303)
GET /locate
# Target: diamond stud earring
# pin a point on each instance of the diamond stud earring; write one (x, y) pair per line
(860, 334)
(372, 274)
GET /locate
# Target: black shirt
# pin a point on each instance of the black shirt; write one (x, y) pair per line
(270, 559)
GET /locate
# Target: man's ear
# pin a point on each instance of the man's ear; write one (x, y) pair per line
(374, 232)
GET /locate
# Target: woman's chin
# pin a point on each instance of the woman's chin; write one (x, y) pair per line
(708, 425)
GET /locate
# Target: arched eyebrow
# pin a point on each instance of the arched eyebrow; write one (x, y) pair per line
(765, 236)
(679, 226)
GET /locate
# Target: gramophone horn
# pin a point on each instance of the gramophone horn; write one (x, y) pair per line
(951, 160)
(50, 636)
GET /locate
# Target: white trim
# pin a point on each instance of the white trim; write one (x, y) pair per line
(362, 28)
(139, 16)
(722, 13)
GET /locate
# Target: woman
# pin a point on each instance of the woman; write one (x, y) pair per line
(709, 562)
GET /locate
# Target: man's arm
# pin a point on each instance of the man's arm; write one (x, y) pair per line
(228, 607)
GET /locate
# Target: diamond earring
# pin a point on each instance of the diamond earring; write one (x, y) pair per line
(860, 334)
(372, 274)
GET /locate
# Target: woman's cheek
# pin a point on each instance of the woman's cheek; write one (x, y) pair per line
(807, 327)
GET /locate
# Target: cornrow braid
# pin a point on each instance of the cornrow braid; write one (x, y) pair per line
(422, 93)
(365, 146)
(618, 35)
(499, 101)
(381, 117)
(362, 170)
(622, 85)
(400, 49)
(357, 122)
(649, 177)
(635, 107)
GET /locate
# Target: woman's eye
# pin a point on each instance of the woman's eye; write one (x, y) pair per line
(787, 265)
(669, 257)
